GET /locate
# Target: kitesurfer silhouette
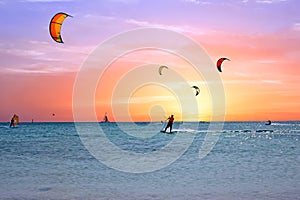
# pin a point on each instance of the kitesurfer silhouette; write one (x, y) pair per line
(170, 123)
(105, 118)
(12, 122)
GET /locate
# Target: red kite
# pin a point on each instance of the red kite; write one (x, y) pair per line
(219, 63)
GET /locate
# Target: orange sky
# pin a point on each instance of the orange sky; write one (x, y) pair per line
(261, 82)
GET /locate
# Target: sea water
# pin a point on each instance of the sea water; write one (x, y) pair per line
(249, 160)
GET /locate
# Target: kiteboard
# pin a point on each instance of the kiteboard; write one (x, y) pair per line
(168, 132)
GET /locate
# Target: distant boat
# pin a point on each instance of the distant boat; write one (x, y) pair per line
(268, 122)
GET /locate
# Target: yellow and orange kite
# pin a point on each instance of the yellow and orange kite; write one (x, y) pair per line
(55, 26)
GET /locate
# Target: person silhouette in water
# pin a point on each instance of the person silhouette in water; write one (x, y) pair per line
(12, 122)
(170, 123)
(105, 118)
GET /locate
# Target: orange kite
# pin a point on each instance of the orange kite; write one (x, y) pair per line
(55, 26)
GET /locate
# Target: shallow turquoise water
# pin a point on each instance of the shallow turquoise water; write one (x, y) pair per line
(249, 161)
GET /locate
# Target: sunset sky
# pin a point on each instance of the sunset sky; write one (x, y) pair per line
(261, 38)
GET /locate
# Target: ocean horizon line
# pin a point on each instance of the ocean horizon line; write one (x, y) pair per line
(229, 121)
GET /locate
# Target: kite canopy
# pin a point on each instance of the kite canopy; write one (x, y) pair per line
(197, 89)
(269, 122)
(219, 63)
(161, 68)
(55, 26)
